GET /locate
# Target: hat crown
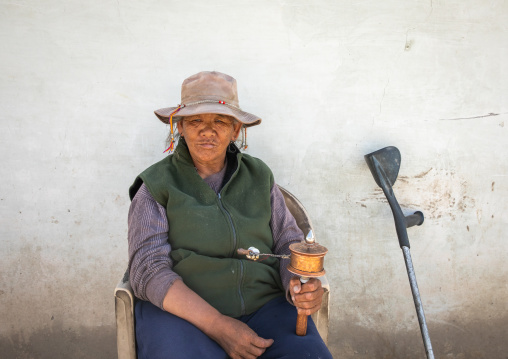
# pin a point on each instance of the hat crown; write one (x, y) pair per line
(210, 85)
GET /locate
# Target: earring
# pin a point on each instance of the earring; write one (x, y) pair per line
(232, 147)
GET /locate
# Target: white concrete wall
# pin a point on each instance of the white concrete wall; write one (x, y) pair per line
(333, 81)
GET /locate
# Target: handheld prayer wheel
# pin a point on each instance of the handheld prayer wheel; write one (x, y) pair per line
(306, 261)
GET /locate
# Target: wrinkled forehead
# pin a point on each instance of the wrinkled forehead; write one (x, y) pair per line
(208, 115)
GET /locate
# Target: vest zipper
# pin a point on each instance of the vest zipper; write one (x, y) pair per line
(228, 215)
(230, 223)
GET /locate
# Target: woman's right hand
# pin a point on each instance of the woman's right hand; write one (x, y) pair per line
(237, 339)
(234, 336)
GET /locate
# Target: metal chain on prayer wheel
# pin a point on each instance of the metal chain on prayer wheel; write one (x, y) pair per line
(307, 258)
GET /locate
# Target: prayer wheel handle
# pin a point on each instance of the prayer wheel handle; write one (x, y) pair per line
(301, 319)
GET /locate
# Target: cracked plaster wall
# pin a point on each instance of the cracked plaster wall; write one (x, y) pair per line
(333, 80)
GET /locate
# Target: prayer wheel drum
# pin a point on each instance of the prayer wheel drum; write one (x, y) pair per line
(307, 259)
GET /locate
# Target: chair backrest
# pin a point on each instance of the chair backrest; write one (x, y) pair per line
(297, 210)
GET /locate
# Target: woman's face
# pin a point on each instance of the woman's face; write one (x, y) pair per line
(208, 136)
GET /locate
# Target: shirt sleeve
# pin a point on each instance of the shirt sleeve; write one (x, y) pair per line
(285, 231)
(150, 266)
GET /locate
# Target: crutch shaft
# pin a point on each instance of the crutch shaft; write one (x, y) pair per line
(418, 303)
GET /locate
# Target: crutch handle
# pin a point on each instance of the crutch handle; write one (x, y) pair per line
(415, 219)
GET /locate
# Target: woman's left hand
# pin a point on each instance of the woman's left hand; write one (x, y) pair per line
(306, 297)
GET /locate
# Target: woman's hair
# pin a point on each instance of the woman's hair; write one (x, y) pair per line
(241, 141)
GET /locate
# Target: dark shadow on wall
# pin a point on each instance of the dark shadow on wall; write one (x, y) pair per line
(58, 342)
(475, 340)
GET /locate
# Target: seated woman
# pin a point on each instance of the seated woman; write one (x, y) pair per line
(189, 214)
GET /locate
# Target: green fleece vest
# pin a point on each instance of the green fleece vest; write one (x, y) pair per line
(206, 229)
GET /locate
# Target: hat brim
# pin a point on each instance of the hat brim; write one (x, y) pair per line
(247, 119)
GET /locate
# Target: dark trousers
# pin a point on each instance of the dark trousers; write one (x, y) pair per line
(161, 335)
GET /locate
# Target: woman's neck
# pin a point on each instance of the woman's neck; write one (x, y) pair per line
(208, 170)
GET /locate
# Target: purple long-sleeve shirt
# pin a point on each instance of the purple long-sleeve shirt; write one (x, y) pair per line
(150, 266)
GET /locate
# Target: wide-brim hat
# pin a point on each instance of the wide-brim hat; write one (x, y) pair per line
(208, 92)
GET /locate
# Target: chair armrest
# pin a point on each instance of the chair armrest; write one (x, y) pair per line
(321, 317)
(124, 312)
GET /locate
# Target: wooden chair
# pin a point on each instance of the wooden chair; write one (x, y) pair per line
(124, 296)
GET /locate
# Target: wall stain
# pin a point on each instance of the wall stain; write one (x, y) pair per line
(408, 45)
(120, 200)
(479, 215)
(423, 174)
(437, 193)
